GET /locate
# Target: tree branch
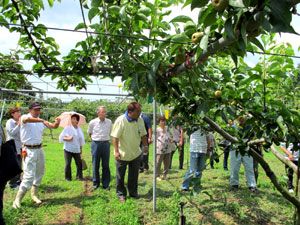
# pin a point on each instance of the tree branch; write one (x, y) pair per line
(29, 35)
(283, 159)
(273, 178)
(212, 49)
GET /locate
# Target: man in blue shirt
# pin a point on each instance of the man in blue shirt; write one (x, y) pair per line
(144, 167)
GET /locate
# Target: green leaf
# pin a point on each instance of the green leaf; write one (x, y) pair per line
(198, 3)
(202, 109)
(96, 3)
(182, 19)
(182, 38)
(145, 11)
(279, 121)
(39, 3)
(92, 13)
(142, 17)
(280, 17)
(229, 29)
(152, 7)
(50, 2)
(123, 13)
(237, 3)
(80, 26)
(257, 43)
(210, 19)
(203, 13)
(204, 42)
(2, 20)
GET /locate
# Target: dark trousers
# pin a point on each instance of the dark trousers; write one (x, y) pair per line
(181, 156)
(101, 150)
(15, 181)
(2, 187)
(133, 175)
(290, 172)
(211, 161)
(225, 161)
(68, 160)
(145, 159)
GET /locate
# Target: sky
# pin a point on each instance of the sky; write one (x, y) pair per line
(67, 14)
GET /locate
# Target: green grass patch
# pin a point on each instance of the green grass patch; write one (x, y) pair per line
(76, 203)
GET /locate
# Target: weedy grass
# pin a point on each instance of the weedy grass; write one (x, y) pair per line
(76, 202)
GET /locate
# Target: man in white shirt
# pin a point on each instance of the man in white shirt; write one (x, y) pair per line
(99, 130)
(199, 150)
(32, 128)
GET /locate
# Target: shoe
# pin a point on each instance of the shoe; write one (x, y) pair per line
(106, 188)
(158, 178)
(145, 171)
(141, 170)
(235, 187)
(95, 187)
(184, 190)
(68, 180)
(164, 178)
(122, 200)
(291, 190)
(253, 189)
(225, 169)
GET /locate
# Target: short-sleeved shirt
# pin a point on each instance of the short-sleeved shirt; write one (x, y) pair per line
(198, 142)
(177, 133)
(31, 133)
(129, 135)
(295, 153)
(147, 123)
(163, 145)
(212, 141)
(13, 133)
(100, 131)
(77, 141)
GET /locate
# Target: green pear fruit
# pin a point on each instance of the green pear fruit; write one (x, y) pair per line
(218, 94)
(180, 58)
(196, 37)
(220, 5)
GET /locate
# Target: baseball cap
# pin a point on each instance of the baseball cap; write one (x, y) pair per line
(35, 105)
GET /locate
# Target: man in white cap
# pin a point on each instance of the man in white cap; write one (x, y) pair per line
(32, 128)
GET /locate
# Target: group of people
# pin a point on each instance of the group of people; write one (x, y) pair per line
(131, 136)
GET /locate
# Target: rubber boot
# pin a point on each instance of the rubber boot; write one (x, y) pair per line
(20, 195)
(34, 194)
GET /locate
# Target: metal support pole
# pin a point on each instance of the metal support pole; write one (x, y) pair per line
(2, 111)
(154, 156)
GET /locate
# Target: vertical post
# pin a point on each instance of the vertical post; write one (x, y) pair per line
(2, 111)
(154, 156)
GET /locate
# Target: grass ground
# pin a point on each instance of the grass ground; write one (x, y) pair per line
(76, 203)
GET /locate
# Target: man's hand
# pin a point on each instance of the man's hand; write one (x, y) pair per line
(57, 121)
(117, 155)
(149, 140)
(291, 157)
(180, 143)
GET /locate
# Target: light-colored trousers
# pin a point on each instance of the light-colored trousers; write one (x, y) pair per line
(34, 168)
(235, 165)
(165, 158)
